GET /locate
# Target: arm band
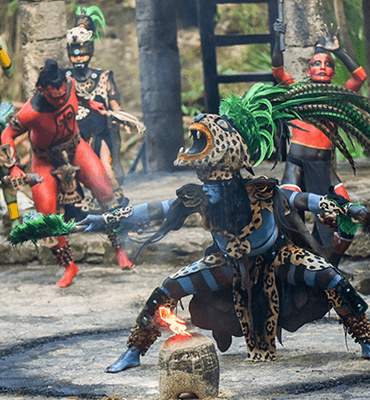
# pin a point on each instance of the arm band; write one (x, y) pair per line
(313, 203)
(291, 199)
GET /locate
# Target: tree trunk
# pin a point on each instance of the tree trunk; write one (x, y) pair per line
(160, 81)
(366, 11)
(344, 38)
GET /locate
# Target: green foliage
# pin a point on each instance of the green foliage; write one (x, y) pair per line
(246, 19)
(242, 18)
(72, 6)
(191, 111)
(12, 8)
(235, 19)
(355, 26)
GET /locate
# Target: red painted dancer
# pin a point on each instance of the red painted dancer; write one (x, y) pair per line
(310, 153)
(50, 116)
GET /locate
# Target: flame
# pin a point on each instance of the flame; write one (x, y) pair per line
(176, 324)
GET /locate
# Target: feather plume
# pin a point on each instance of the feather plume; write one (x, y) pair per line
(37, 226)
(96, 16)
(263, 112)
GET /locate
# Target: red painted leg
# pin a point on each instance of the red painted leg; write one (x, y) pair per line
(121, 256)
(69, 273)
(122, 259)
(64, 257)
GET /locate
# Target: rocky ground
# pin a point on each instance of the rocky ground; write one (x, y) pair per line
(55, 343)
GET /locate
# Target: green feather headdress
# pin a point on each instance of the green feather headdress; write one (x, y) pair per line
(253, 115)
(37, 226)
(265, 108)
(97, 17)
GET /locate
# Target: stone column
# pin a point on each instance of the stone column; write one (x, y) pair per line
(160, 81)
(305, 20)
(43, 29)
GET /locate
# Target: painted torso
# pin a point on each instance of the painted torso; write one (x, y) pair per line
(49, 127)
(311, 136)
(260, 240)
(254, 229)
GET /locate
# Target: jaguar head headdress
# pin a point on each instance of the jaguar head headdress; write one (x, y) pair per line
(250, 127)
(80, 39)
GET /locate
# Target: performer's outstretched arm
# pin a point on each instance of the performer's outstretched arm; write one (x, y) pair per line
(127, 216)
(329, 41)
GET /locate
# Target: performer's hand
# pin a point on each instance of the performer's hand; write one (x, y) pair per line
(329, 39)
(96, 106)
(358, 213)
(95, 223)
(17, 178)
(329, 220)
(16, 171)
(279, 27)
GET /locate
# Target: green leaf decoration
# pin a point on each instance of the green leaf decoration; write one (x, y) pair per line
(346, 224)
(37, 226)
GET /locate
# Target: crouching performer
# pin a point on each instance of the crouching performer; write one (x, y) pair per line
(262, 257)
(50, 116)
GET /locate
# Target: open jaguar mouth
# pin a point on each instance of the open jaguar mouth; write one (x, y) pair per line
(202, 143)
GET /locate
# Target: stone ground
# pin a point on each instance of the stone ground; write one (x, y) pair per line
(55, 343)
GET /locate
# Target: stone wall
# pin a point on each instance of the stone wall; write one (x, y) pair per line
(43, 29)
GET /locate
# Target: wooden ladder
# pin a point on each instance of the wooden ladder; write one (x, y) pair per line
(209, 41)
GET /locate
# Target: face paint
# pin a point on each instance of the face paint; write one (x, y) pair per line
(321, 68)
(80, 61)
(56, 97)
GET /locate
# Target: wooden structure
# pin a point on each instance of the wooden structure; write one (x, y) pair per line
(206, 13)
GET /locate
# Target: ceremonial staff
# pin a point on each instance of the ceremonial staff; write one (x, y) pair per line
(280, 4)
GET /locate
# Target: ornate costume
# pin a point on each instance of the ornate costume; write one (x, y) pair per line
(310, 153)
(6, 108)
(100, 131)
(50, 117)
(262, 258)
(10, 194)
(5, 61)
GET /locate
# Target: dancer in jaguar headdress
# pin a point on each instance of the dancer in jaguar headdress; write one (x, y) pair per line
(263, 257)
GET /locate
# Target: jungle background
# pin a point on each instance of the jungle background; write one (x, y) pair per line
(118, 50)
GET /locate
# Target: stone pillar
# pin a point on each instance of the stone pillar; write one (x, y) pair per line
(305, 20)
(160, 81)
(43, 29)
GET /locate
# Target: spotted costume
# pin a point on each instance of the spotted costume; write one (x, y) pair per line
(262, 260)
(95, 127)
(100, 131)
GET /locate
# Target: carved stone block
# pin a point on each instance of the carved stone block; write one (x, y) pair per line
(188, 364)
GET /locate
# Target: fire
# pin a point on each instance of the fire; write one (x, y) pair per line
(175, 324)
